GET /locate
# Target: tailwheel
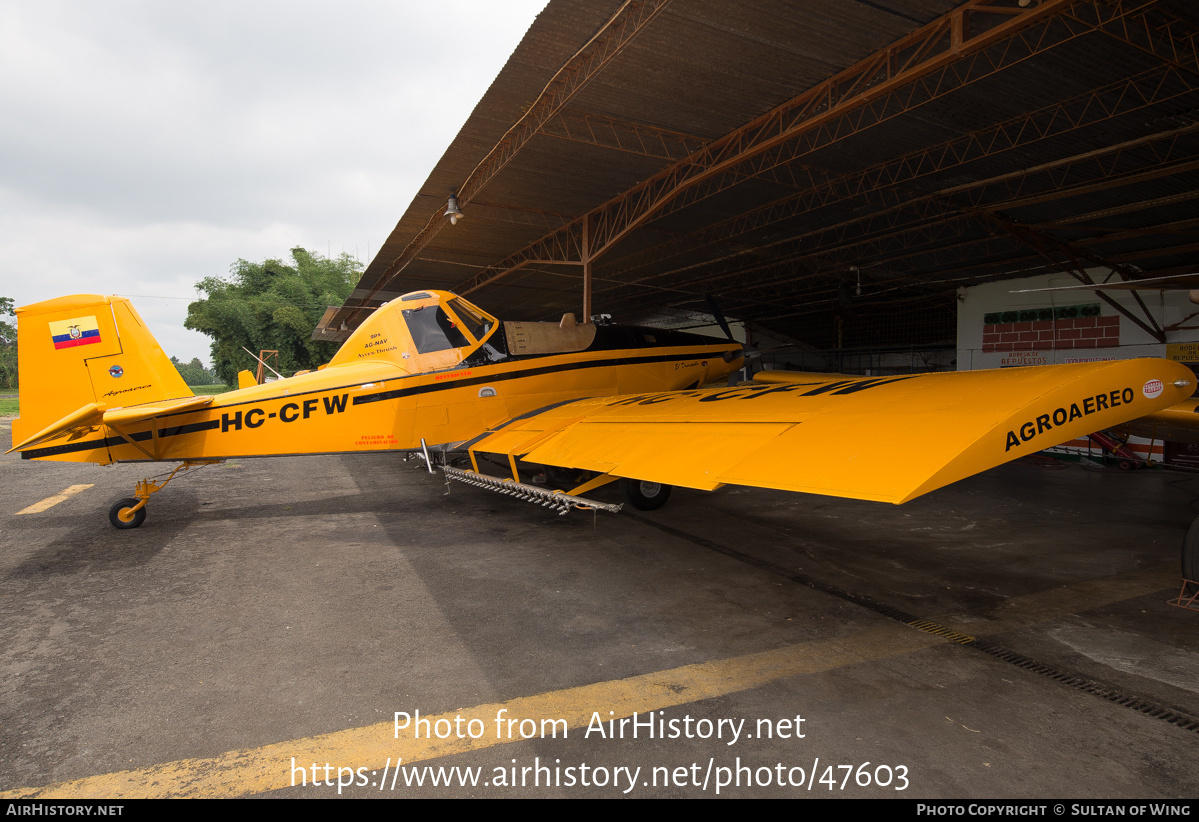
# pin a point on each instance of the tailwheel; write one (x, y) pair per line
(131, 511)
(644, 496)
(125, 514)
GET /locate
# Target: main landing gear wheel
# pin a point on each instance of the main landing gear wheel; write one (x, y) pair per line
(123, 516)
(644, 496)
(565, 478)
(1190, 557)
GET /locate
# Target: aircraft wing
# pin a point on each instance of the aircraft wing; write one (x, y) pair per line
(1178, 423)
(888, 439)
(93, 414)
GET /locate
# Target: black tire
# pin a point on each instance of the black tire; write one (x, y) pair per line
(644, 496)
(1190, 558)
(114, 514)
(565, 478)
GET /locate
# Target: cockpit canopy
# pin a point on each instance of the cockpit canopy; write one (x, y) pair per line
(437, 325)
(422, 331)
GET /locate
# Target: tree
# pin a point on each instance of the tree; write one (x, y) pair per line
(194, 372)
(8, 346)
(270, 305)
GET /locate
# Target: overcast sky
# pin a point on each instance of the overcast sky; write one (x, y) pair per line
(146, 145)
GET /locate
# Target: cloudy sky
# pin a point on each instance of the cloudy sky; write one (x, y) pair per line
(146, 145)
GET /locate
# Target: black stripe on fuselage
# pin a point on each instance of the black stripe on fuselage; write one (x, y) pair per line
(88, 445)
(138, 436)
(528, 372)
(442, 386)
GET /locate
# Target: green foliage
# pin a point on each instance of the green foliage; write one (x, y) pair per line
(8, 346)
(194, 372)
(209, 390)
(271, 306)
(1061, 312)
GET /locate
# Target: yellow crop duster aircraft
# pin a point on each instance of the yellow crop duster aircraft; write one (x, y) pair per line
(431, 374)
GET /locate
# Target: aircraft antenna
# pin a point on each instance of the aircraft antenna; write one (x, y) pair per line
(262, 362)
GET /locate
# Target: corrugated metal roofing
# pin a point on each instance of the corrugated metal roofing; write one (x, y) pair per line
(1000, 160)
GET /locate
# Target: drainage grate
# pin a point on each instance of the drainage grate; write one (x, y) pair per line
(1082, 683)
(1073, 680)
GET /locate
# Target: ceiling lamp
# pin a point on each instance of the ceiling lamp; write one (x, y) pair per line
(452, 211)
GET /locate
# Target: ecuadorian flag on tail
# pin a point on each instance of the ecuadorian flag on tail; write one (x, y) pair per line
(78, 331)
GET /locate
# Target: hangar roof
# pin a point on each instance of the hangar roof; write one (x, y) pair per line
(776, 154)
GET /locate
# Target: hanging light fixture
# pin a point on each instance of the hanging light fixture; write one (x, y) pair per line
(452, 211)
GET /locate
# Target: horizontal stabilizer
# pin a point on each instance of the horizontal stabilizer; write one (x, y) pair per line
(87, 417)
(125, 416)
(97, 413)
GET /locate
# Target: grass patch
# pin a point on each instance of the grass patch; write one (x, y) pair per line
(10, 406)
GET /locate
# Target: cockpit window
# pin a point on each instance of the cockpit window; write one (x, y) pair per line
(433, 330)
(477, 323)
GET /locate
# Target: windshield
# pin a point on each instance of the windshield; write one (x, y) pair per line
(475, 321)
(433, 330)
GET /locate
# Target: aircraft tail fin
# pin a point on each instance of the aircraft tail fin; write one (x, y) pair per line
(86, 350)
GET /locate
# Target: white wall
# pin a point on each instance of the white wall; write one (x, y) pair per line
(1167, 307)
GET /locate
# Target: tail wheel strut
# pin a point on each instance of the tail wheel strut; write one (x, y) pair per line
(131, 511)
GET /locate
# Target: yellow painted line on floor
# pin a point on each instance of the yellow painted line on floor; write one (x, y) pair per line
(268, 768)
(256, 770)
(50, 502)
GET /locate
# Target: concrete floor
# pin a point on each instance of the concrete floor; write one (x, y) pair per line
(266, 603)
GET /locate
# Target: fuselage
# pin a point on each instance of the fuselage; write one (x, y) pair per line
(395, 383)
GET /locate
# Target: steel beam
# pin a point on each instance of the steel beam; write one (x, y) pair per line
(1074, 264)
(587, 62)
(826, 189)
(979, 38)
(622, 135)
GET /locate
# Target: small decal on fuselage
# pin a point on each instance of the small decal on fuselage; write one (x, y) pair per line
(116, 391)
(376, 441)
(74, 332)
(377, 344)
